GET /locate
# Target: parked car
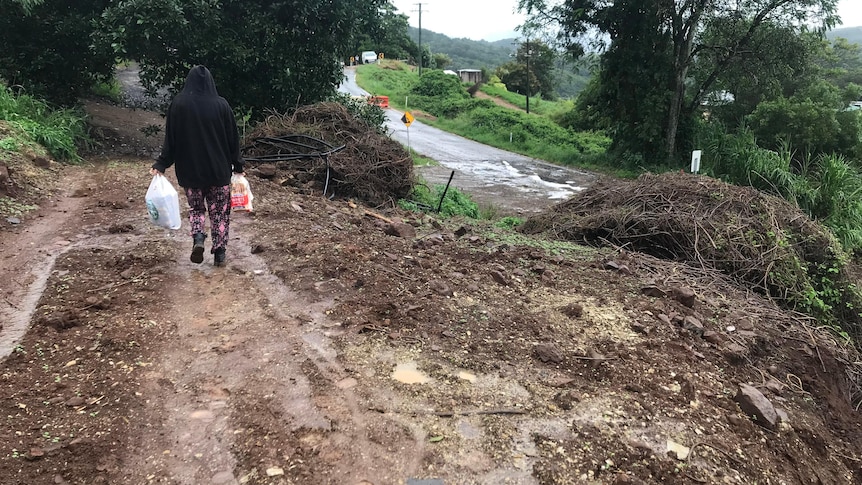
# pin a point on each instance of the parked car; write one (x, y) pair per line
(368, 57)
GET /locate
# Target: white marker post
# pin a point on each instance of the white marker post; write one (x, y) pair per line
(695, 161)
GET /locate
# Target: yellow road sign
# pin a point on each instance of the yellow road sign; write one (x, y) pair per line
(407, 118)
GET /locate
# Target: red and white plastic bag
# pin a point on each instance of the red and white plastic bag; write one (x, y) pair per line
(240, 193)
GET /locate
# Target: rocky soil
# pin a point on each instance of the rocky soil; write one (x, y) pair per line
(345, 345)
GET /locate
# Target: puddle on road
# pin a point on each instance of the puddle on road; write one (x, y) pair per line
(409, 374)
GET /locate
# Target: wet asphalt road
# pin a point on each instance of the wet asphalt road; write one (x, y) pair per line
(509, 181)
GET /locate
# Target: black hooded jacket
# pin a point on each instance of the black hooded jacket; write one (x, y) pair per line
(201, 137)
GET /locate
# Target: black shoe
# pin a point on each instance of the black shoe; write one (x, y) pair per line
(219, 258)
(197, 256)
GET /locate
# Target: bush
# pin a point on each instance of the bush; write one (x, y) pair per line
(826, 187)
(369, 114)
(427, 199)
(533, 130)
(60, 131)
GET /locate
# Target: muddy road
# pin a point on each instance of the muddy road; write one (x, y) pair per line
(495, 178)
(333, 349)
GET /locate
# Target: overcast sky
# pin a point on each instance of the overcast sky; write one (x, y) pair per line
(496, 19)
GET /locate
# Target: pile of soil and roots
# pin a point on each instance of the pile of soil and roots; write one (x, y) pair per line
(760, 240)
(370, 167)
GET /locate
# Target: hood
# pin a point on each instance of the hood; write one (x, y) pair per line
(200, 82)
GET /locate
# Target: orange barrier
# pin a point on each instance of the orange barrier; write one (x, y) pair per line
(382, 101)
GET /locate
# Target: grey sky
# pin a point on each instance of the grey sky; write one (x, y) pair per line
(496, 19)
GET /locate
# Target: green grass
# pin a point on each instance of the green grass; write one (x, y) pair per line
(390, 78)
(538, 105)
(422, 161)
(60, 131)
(426, 198)
(534, 135)
(109, 90)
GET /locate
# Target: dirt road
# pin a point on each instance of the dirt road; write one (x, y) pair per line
(333, 349)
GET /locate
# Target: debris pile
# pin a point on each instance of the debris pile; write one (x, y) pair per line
(762, 241)
(370, 166)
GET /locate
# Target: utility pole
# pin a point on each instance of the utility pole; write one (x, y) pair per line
(529, 52)
(421, 50)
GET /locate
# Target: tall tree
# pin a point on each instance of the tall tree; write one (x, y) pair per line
(681, 22)
(532, 71)
(263, 53)
(387, 33)
(49, 48)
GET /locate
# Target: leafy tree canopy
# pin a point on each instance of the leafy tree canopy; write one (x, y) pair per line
(674, 31)
(532, 71)
(263, 53)
(49, 49)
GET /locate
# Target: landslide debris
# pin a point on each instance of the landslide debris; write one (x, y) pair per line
(761, 241)
(371, 167)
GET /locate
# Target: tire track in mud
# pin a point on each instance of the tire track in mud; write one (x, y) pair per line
(28, 260)
(252, 386)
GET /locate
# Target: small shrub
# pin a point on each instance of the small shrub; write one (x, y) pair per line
(509, 222)
(369, 114)
(425, 199)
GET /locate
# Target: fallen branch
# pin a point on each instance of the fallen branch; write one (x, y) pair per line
(378, 216)
(112, 286)
(449, 414)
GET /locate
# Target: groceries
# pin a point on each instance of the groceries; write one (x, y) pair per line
(163, 203)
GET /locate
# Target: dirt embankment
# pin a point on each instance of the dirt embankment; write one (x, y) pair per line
(345, 345)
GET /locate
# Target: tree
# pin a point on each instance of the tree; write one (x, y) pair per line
(813, 121)
(387, 32)
(676, 27)
(263, 53)
(49, 48)
(532, 71)
(441, 61)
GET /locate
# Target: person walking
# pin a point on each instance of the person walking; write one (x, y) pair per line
(202, 143)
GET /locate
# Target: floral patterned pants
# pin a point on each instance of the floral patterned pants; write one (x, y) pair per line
(216, 201)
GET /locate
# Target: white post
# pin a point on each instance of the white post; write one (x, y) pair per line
(695, 161)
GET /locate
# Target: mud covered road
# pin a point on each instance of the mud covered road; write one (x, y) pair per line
(342, 345)
(496, 178)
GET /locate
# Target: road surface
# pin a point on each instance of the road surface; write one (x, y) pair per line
(493, 177)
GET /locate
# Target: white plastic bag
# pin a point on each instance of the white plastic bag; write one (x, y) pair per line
(240, 193)
(163, 203)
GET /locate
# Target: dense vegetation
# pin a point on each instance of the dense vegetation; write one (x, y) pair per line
(567, 78)
(264, 54)
(35, 123)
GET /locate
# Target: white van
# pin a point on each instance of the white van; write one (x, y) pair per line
(368, 57)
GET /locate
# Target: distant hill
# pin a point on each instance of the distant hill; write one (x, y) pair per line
(467, 53)
(480, 54)
(852, 34)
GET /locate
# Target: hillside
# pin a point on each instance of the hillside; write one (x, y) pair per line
(467, 53)
(852, 34)
(473, 54)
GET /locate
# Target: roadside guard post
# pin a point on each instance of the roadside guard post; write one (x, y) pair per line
(407, 119)
(381, 101)
(695, 161)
